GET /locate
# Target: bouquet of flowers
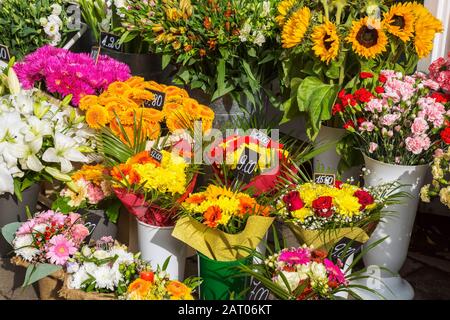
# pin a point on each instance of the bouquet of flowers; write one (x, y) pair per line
(126, 103)
(106, 268)
(219, 46)
(27, 25)
(440, 73)
(401, 121)
(321, 215)
(64, 73)
(152, 189)
(39, 139)
(440, 170)
(328, 44)
(218, 219)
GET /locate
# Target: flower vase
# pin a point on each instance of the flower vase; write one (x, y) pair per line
(327, 161)
(13, 210)
(396, 226)
(219, 279)
(156, 244)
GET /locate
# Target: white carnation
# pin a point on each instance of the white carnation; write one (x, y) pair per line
(293, 279)
(104, 278)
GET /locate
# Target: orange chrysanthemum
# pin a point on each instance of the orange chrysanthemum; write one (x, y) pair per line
(134, 81)
(118, 88)
(97, 116)
(87, 101)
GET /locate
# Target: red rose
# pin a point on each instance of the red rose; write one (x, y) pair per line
(293, 201)
(322, 206)
(338, 184)
(445, 135)
(364, 198)
(363, 95)
(379, 90)
(439, 97)
(349, 124)
(336, 108)
(365, 75)
(382, 78)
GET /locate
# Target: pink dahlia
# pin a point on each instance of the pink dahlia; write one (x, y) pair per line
(334, 273)
(60, 249)
(295, 256)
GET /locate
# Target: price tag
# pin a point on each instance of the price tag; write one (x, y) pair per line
(110, 41)
(92, 219)
(258, 291)
(158, 100)
(261, 137)
(156, 154)
(4, 53)
(95, 53)
(344, 249)
(247, 164)
(325, 178)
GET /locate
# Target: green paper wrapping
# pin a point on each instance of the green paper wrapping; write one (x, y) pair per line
(320, 239)
(218, 245)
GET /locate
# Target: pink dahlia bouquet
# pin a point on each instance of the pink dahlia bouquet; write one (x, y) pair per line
(63, 73)
(395, 118)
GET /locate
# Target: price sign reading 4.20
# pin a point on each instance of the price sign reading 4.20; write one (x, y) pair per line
(325, 178)
(110, 41)
(157, 102)
(4, 53)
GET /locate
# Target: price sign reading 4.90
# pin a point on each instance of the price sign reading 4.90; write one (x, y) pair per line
(110, 41)
(4, 53)
(156, 154)
(247, 165)
(157, 102)
(325, 178)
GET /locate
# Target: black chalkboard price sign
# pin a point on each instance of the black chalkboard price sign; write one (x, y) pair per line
(258, 291)
(344, 249)
(247, 164)
(91, 222)
(156, 154)
(261, 137)
(325, 178)
(110, 41)
(4, 53)
(158, 100)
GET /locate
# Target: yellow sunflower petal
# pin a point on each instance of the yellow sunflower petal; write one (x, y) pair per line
(367, 38)
(399, 21)
(326, 41)
(295, 28)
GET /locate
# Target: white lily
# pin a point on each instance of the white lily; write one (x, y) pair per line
(6, 180)
(11, 139)
(30, 161)
(64, 152)
(37, 130)
(13, 82)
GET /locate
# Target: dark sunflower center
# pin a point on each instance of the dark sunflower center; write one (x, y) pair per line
(398, 21)
(326, 43)
(367, 37)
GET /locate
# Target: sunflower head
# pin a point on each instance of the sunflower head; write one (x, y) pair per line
(295, 28)
(326, 41)
(283, 10)
(399, 21)
(367, 38)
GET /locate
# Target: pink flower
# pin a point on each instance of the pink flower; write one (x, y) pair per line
(94, 194)
(438, 152)
(432, 111)
(367, 126)
(417, 144)
(433, 85)
(373, 147)
(74, 218)
(79, 232)
(334, 273)
(26, 227)
(419, 126)
(374, 105)
(295, 256)
(59, 250)
(397, 160)
(389, 119)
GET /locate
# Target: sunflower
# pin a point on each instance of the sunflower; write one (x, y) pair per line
(326, 41)
(399, 21)
(426, 27)
(283, 9)
(367, 40)
(295, 28)
(97, 116)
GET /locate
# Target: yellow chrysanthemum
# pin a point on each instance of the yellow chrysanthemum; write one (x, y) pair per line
(399, 21)
(426, 26)
(326, 41)
(283, 10)
(302, 213)
(347, 204)
(87, 101)
(295, 28)
(367, 38)
(97, 117)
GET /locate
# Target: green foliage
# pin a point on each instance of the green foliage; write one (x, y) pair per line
(9, 231)
(38, 271)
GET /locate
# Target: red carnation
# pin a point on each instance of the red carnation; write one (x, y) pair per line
(382, 78)
(348, 100)
(322, 206)
(293, 201)
(349, 124)
(360, 121)
(337, 108)
(445, 135)
(338, 184)
(363, 95)
(439, 97)
(341, 94)
(379, 90)
(364, 198)
(365, 75)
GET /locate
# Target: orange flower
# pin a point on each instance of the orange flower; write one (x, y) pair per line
(142, 158)
(196, 198)
(202, 52)
(246, 205)
(138, 95)
(93, 173)
(170, 107)
(191, 106)
(118, 88)
(178, 290)
(151, 85)
(206, 112)
(262, 210)
(129, 132)
(140, 287)
(175, 91)
(134, 81)
(87, 101)
(212, 215)
(126, 172)
(152, 115)
(97, 116)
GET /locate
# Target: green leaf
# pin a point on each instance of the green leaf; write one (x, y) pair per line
(58, 175)
(38, 271)
(112, 210)
(9, 231)
(61, 204)
(165, 60)
(18, 189)
(166, 263)
(252, 52)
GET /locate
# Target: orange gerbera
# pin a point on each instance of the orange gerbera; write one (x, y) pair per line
(196, 198)
(93, 173)
(134, 81)
(128, 129)
(191, 106)
(170, 107)
(118, 88)
(206, 112)
(173, 99)
(97, 116)
(178, 290)
(176, 91)
(87, 101)
(212, 215)
(126, 172)
(140, 158)
(152, 115)
(246, 205)
(151, 85)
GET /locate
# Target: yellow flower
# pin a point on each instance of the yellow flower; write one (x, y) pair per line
(367, 38)
(347, 205)
(295, 28)
(179, 291)
(283, 10)
(97, 116)
(326, 41)
(172, 14)
(302, 213)
(399, 21)
(87, 101)
(426, 26)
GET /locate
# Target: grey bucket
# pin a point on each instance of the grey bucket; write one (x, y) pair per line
(103, 227)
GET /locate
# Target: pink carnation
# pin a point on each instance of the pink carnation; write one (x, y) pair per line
(94, 194)
(433, 85)
(417, 144)
(367, 126)
(372, 147)
(432, 111)
(374, 105)
(419, 126)
(389, 119)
